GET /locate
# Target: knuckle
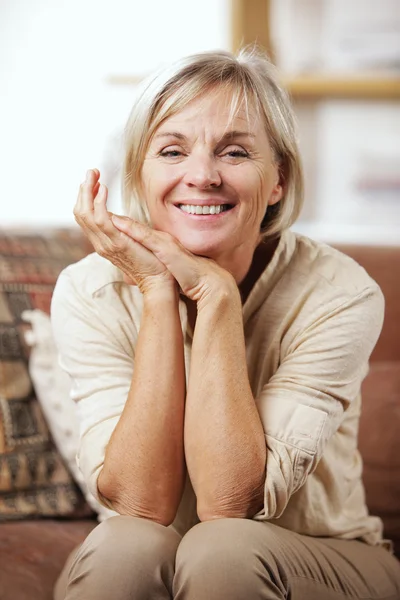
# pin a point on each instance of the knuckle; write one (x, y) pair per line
(118, 248)
(169, 241)
(84, 218)
(101, 250)
(84, 189)
(166, 236)
(99, 219)
(113, 247)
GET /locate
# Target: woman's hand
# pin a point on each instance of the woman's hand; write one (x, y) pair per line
(199, 278)
(139, 265)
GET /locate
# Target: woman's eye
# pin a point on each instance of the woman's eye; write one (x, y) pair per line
(170, 153)
(236, 153)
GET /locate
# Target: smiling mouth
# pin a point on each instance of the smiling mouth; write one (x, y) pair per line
(210, 209)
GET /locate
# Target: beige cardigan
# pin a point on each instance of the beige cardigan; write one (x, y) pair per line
(310, 322)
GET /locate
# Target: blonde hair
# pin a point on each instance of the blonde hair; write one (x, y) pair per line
(250, 77)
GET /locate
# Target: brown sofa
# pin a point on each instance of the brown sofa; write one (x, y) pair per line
(33, 550)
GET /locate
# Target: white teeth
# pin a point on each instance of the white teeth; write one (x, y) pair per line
(192, 209)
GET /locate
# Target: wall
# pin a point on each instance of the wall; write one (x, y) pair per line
(351, 157)
(350, 147)
(58, 114)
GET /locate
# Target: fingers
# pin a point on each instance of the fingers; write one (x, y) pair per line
(84, 204)
(138, 232)
(195, 275)
(102, 217)
(86, 191)
(96, 189)
(100, 213)
(165, 247)
(90, 208)
(162, 244)
(91, 211)
(123, 251)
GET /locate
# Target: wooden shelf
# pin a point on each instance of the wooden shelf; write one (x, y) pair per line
(314, 87)
(250, 23)
(309, 88)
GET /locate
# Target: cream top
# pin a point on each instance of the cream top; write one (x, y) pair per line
(310, 322)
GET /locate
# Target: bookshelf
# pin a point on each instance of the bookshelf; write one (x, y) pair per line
(368, 88)
(317, 87)
(250, 23)
(332, 113)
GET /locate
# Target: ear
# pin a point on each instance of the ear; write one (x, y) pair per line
(276, 194)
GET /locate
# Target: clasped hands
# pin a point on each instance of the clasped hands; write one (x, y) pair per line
(152, 260)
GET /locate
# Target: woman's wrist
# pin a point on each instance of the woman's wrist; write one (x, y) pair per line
(223, 296)
(161, 293)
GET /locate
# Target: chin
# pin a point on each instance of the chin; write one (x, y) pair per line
(203, 247)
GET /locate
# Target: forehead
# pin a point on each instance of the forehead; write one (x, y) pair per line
(219, 109)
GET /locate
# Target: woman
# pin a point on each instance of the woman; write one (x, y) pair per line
(216, 360)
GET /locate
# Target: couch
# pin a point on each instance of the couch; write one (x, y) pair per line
(43, 514)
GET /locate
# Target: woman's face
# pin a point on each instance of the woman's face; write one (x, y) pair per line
(208, 180)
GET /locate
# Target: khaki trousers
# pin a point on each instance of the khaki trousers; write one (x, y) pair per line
(127, 558)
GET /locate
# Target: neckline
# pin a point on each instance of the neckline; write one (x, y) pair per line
(255, 296)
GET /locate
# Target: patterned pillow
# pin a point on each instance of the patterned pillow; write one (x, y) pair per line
(53, 391)
(34, 480)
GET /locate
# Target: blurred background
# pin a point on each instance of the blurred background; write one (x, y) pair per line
(69, 70)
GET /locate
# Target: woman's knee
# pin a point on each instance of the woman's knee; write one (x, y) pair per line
(221, 558)
(122, 557)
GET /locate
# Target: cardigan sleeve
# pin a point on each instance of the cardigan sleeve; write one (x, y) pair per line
(99, 360)
(304, 402)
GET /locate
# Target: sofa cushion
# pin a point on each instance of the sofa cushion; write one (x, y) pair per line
(379, 444)
(379, 441)
(53, 391)
(34, 480)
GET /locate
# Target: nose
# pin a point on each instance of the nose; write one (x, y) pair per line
(202, 171)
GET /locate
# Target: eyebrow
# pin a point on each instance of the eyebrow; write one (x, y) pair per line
(174, 134)
(227, 136)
